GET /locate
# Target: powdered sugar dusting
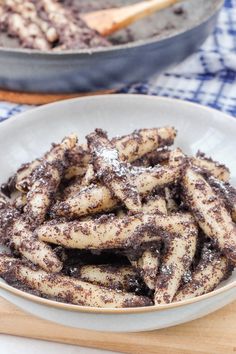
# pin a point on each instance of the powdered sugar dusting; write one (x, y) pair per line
(187, 277)
(111, 157)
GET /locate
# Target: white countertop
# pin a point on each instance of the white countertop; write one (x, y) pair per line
(18, 345)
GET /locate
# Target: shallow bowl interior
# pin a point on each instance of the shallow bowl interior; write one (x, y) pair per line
(30, 134)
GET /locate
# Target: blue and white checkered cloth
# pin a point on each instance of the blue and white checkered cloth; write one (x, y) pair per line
(207, 77)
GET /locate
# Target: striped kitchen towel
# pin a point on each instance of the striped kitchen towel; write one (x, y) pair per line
(208, 76)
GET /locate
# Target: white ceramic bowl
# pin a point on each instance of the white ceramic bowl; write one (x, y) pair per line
(28, 135)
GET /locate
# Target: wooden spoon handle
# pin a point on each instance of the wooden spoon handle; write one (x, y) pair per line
(110, 20)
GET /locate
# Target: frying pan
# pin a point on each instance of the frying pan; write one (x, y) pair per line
(158, 41)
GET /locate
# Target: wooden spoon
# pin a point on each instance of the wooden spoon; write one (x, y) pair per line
(111, 20)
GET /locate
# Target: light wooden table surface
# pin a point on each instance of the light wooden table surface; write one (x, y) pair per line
(213, 334)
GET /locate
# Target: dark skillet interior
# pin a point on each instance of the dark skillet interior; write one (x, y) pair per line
(141, 51)
(164, 24)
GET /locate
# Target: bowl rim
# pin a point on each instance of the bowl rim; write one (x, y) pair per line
(131, 310)
(97, 310)
(139, 43)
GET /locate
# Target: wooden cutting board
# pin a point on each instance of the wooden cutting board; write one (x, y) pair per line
(213, 334)
(40, 98)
